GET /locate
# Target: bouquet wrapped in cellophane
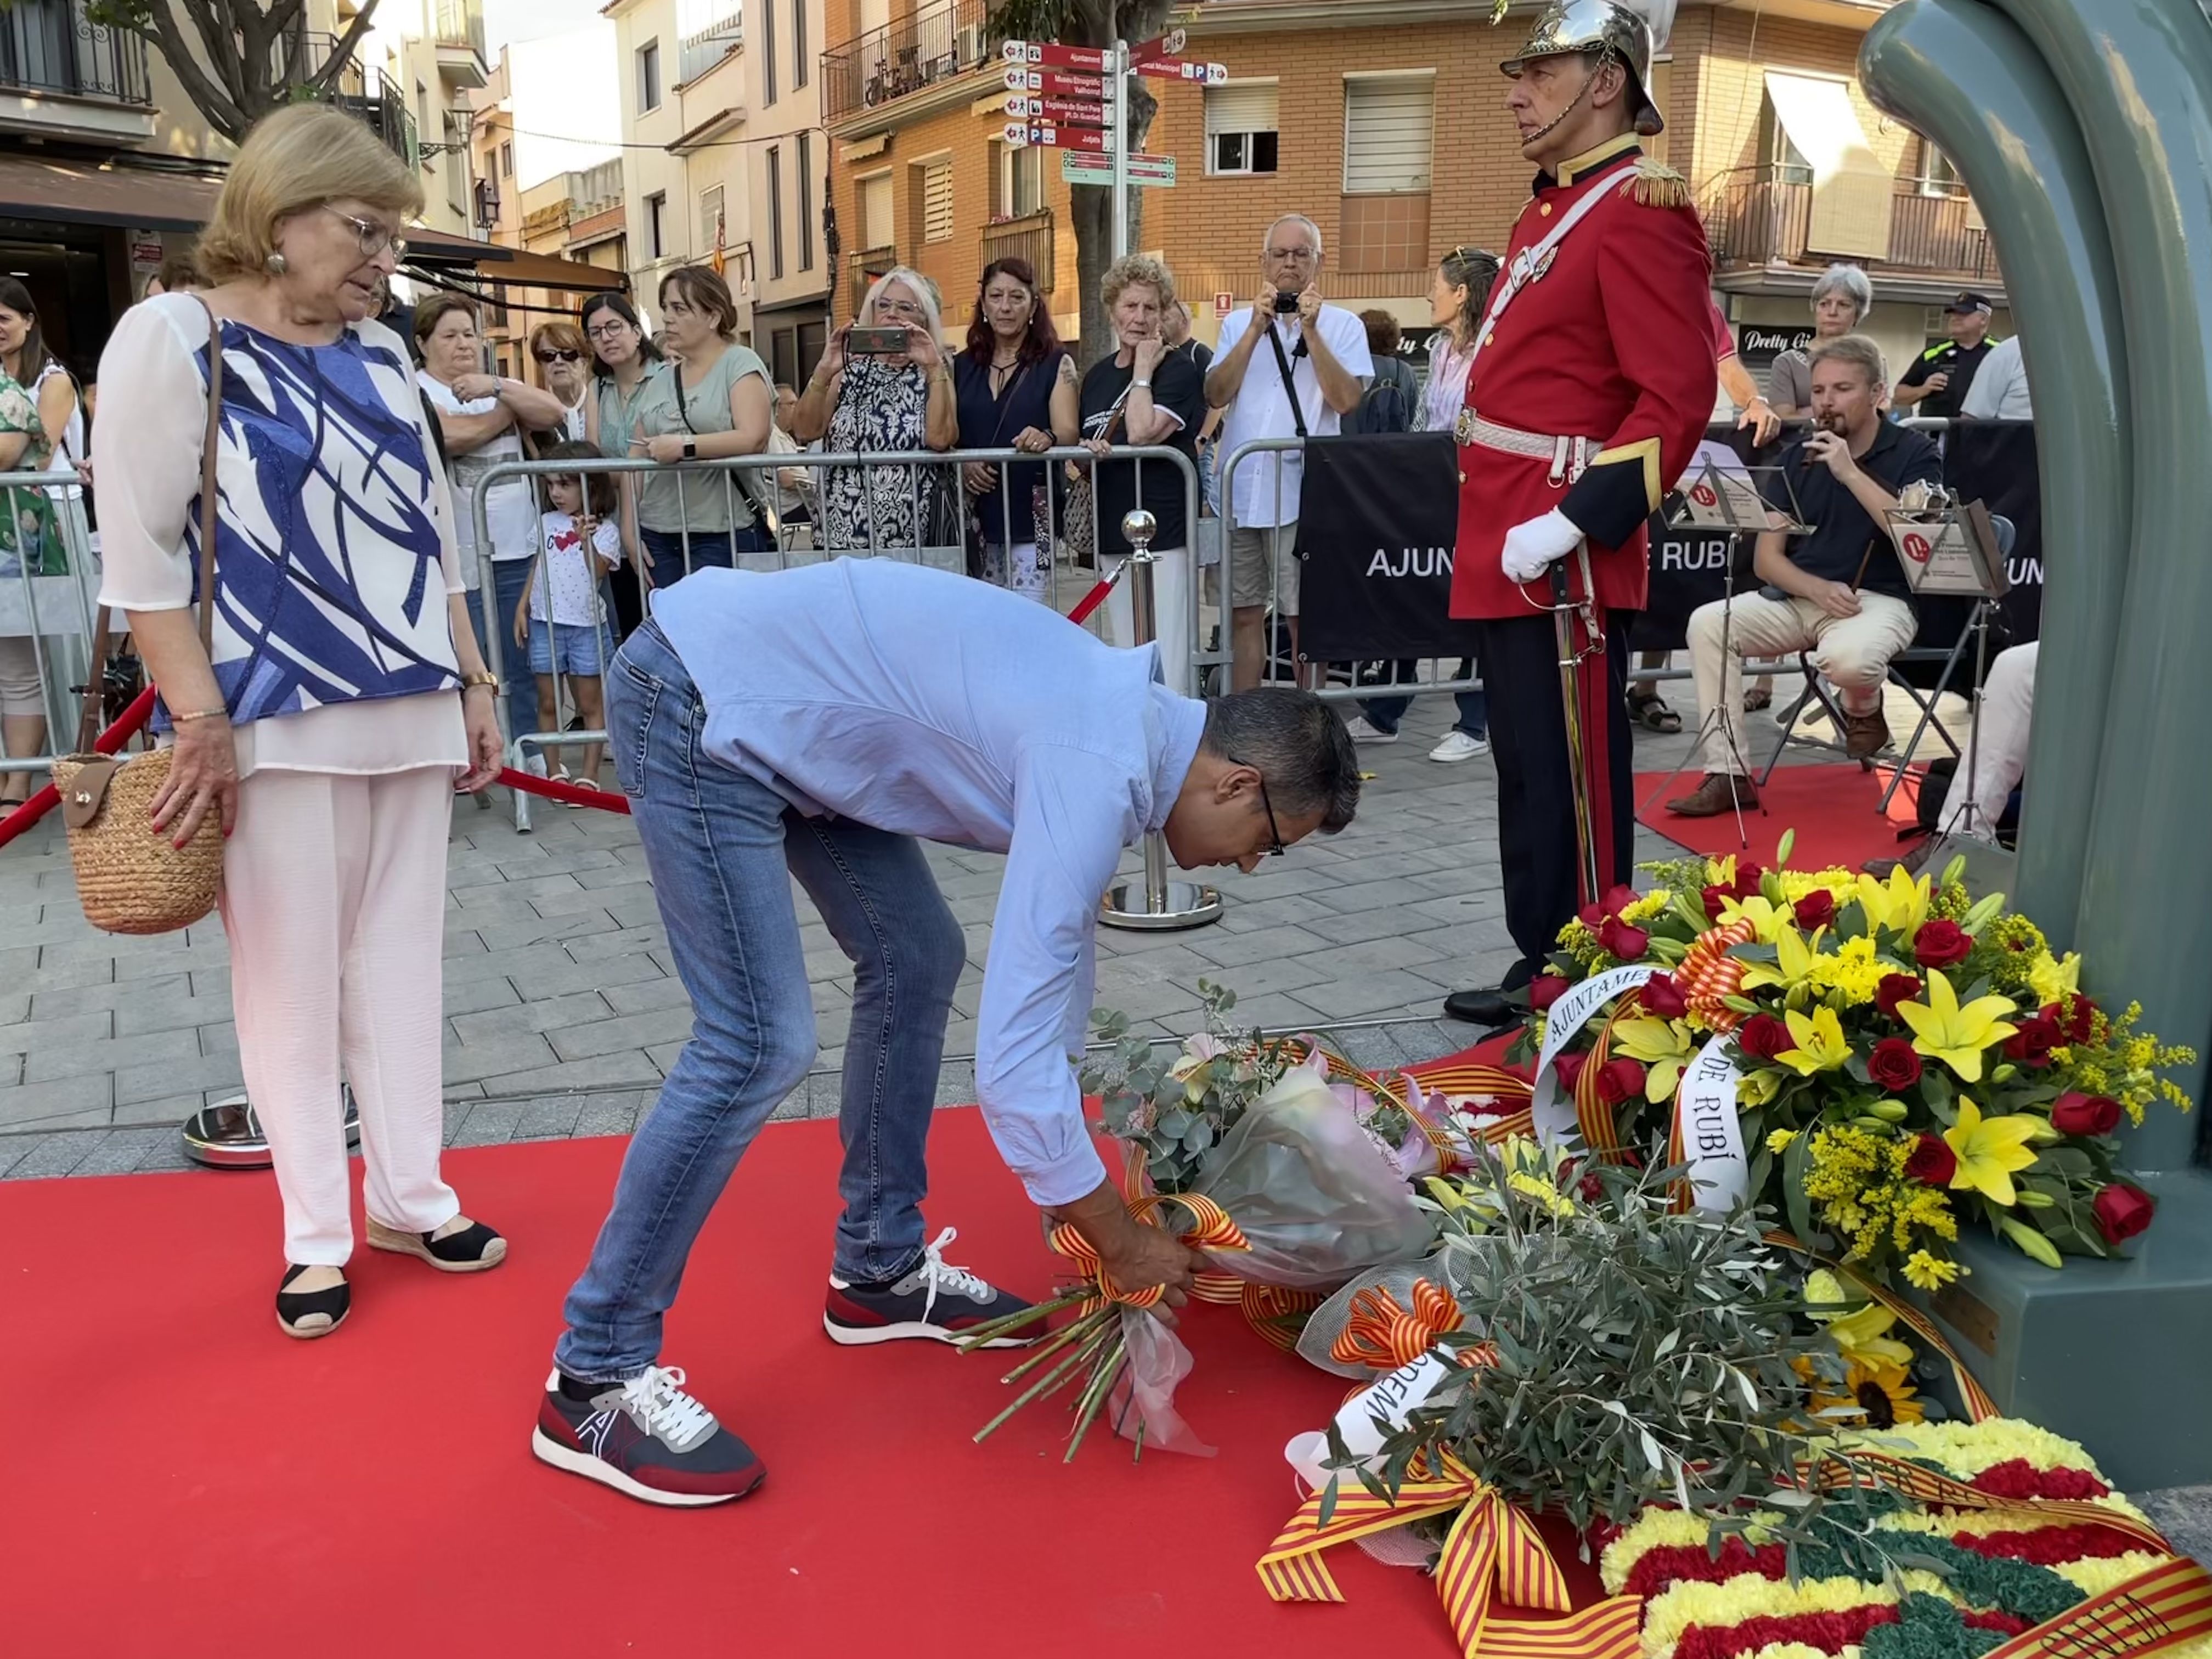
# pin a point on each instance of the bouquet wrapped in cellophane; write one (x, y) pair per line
(1285, 1168)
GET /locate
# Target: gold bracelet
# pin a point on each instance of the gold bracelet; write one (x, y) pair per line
(481, 676)
(189, 714)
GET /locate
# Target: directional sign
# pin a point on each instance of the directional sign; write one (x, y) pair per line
(1052, 56)
(1061, 137)
(1165, 46)
(1020, 79)
(1152, 172)
(1074, 112)
(1180, 69)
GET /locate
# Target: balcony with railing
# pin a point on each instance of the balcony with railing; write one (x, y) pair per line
(701, 50)
(368, 94)
(896, 62)
(63, 74)
(1028, 239)
(1760, 216)
(459, 34)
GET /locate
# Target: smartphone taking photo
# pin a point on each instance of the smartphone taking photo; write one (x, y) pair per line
(876, 342)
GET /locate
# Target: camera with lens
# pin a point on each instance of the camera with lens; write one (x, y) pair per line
(1286, 302)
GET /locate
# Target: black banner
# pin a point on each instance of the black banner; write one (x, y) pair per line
(1994, 462)
(1377, 519)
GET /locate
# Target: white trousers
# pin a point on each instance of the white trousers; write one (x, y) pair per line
(1171, 586)
(2001, 755)
(1852, 651)
(334, 901)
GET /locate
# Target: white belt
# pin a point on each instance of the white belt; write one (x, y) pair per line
(1570, 457)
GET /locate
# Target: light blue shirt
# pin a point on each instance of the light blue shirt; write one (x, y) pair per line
(927, 704)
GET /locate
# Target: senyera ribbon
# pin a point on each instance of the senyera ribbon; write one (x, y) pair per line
(1211, 1229)
(1378, 1332)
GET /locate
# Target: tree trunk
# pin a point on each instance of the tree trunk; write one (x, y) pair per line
(1091, 207)
(263, 70)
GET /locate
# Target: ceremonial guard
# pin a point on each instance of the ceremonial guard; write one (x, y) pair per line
(1593, 380)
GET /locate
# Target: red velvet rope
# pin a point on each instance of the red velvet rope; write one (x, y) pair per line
(107, 743)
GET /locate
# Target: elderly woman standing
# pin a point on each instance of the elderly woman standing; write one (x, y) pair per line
(1841, 299)
(482, 418)
(711, 402)
(564, 368)
(345, 693)
(901, 401)
(624, 357)
(1017, 389)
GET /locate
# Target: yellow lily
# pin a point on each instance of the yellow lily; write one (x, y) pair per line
(1757, 1088)
(1942, 1030)
(1989, 1150)
(1857, 1334)
(1791, 971)
(1770, 922)
(1821, 1045)
(2051, 980)
(1899, 904)
(1663, 1046)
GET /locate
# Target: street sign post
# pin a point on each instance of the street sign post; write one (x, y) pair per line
(1054, 135)
(1068, 111)
(1169, 45)
(1049, 55)
(1021, 79)
(1182, 69)
(1148, 172)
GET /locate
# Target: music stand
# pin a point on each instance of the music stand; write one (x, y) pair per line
(1720, 490)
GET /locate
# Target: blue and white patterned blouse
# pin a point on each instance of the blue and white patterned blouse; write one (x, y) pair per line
(334, 550)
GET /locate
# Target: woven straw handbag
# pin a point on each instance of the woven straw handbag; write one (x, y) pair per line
(131, 877)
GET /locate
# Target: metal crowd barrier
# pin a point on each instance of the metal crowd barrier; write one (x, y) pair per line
(49, 601)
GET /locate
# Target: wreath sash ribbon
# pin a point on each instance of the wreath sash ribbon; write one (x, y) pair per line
(2156, 1610)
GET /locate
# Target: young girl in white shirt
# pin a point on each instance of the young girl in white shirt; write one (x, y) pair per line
(561, 617)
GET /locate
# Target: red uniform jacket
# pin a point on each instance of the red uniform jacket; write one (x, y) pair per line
(1613, 342)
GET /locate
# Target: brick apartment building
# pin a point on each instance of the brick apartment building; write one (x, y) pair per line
(1385, 121)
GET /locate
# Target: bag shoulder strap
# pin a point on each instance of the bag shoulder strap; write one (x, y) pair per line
(1290, 381)
(208, 444)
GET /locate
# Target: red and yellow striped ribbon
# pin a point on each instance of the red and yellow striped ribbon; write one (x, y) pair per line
(1935, 1489)
(1601, 1133)
(1211, 1229)
(1493, 1554)
(1381, 1333)
(2158, 1609)
(1979, 1407)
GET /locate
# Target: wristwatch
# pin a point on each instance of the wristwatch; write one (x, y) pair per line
(1144, 386)
(690, 449)
(481, 676)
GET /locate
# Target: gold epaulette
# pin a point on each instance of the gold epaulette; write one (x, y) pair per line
(1653, 184)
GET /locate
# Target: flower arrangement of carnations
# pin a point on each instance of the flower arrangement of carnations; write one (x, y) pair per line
(1879, 1060)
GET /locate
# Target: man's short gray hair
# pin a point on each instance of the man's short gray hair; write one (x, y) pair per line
(1849, 282)
(1312, 230)
(1851, 349)
(1301, 750)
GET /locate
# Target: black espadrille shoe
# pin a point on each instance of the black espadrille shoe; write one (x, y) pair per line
(311, 1313)
(474, 1249)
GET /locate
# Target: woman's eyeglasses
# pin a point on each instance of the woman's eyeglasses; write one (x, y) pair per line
(557, 355)
(374, 238)
(608, 330)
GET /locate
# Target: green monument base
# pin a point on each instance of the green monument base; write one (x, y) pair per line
(2115, 1354)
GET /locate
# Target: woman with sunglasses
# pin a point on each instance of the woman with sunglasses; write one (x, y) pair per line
(624, 358)
(560, 354)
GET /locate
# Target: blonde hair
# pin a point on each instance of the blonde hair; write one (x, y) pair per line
(924, 290)
(297, 159)
(1854, 349)
(1136, 268)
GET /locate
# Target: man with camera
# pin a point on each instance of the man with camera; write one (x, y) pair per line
(1317, 368)
(1839, 594)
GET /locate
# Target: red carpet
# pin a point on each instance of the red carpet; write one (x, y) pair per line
(182, 1480)
(1835, 811)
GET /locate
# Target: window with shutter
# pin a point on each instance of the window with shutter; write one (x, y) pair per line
(1389, 123)
(876, 211)
(1240, 127)
(710, 218)
(937, 201)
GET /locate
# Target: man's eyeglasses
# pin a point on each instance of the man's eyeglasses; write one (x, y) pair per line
(374, 238)
(1274, 834)
(1291, 256)
(557, 355)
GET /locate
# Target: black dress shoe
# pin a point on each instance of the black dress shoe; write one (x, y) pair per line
(1494, 1008)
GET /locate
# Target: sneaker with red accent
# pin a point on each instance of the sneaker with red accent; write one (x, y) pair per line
(648, 1439)
(935, 1301)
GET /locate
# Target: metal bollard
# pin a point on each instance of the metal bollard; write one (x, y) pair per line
(1163, 906)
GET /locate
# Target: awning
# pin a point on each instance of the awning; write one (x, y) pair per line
(1852, 188)
(436, 251)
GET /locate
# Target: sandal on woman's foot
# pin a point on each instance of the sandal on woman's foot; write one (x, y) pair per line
(1651, 710)
(471, 1248)
(1756, 699)
(312, 1313)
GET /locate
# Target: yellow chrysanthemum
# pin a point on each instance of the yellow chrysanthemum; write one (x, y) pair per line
(1851, 977)
(1541, 1193)
(1840, 884)
(1924, 1271)
(1652, 904)
(2050, 979)
(1777, 1140)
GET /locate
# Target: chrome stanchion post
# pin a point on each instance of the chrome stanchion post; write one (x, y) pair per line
(1163, 906)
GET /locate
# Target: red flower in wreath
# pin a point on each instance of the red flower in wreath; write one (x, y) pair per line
(2031, 1043)
(1894, 1065)
(1763, 1036)
(1815, 909)
(1932, 1161)
(1895, 989)
(1663, 998)
(1546, 989)
(2122, 1211)
(1618, 1080)
(2075, 1016)
(1617, 938)
(2085, 1115)
(1941, 944)
(1570, 1070)
(1713, 899)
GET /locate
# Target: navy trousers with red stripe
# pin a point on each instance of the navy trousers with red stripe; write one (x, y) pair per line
(1535, 799)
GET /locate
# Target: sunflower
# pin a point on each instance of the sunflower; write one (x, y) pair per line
(1874, 1393)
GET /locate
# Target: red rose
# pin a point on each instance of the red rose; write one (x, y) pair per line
(1941, 944)
(1764, 1036)
(1815, 909)
(1569, 1068)
(1932, 1161)
(2031, 1044)
(1618, 1080)
(1617, 938)
(2073, 1015)
(2085, 1115)
(1895, 988)
(1660, 996)
(1546, 989)
(1619, 897)
(1713, 899)
(2122, 1211)
(1747, 878)
(1894, 1065)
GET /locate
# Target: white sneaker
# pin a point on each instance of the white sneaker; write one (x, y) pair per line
(1458, 746)
(1362, 732)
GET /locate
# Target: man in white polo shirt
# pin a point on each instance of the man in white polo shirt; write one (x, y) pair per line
(1289, 367)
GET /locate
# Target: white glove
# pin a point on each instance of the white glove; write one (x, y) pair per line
(1530, 548)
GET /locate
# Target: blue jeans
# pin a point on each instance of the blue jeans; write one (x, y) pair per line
(510, 580)
(717, 547)
(723, 850)
(1383, 714)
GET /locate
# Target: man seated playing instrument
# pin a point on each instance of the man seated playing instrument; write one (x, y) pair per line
(1838, 593)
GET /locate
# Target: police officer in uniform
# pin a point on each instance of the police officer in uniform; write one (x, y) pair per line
(1938, 381)
(1593, 380)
